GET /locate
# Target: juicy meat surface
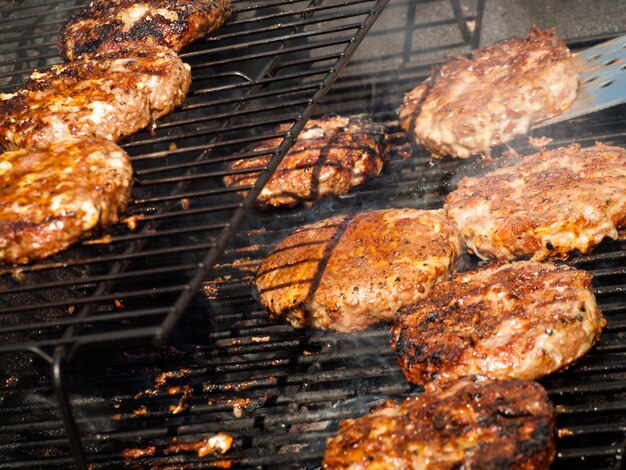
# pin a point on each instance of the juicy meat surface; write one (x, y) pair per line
(351, 271)
(51, 198)
(472, 423)
(330, 156)
(545, 204)
(468, 106)
(520, 320)
(101, 97)
(104, 24)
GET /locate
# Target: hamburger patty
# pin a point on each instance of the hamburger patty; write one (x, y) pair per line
(468, 106)
(101, 97)
(331, 155)
(520, 320)
(104, 24)
(472, 423)
(351, 271)
(546, 204)
(51, 198)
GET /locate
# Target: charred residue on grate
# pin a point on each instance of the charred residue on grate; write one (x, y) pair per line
(269, 64)
(279, 392)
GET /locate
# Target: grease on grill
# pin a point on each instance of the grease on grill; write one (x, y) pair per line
(137, 453)
(240, 404)
(217, 444)
(171, 374)
(104, 240)
(208, 387)
(141, 411)
(183, 402)
(131, 222)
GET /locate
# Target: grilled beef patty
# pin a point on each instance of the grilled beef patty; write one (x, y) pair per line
(468, 106)
(105, 24)
(520, 320)
(351, 271)
(51, 198)
(472, 423)
(101, 97)
(546, 204)
(331, 156)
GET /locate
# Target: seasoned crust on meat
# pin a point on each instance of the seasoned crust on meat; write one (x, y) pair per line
(105, 24)
(546, 204)
(520, 320)
(101, 97)
(51, 198)
(331, 155)
(471, 423)
(468, 106)
(351, 271)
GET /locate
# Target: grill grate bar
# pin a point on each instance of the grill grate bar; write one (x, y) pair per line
(190, 194)
(289, 25)
(172, 176)
(205, 147)
(76, 282)
(278, 40)
(83, 301)
(38, 15)
(311, 9)
(287, 50)
(80, 339)
(100, 318)
(265, 81)
(121, 257)
(29, 7)
(165, 233)
(300, 383)
(26, 48)
(93, 279)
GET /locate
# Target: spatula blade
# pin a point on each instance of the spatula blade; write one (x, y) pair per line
(602, 80)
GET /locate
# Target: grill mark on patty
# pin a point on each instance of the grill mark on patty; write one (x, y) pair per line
(503, 320)
(316, 279)
(330, 156)
(321, 162)
(469, 423)
(358, 271)
(321, 267)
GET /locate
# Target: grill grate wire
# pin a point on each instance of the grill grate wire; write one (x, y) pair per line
(181, 217)
(270, 64)
(291, 387)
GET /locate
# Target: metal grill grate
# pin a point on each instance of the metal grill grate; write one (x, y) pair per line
(270, 64)
(280, 392)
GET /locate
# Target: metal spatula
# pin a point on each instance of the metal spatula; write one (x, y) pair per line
(602, 80)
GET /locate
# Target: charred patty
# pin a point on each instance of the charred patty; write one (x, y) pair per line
(105, 24)
(472, 423)
(545, 204)
(51, 198)
(351, 271)
(330, 156)
(101, 97)
(520, 320)
(468, 106)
